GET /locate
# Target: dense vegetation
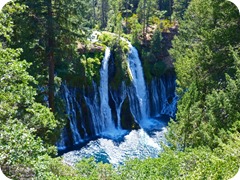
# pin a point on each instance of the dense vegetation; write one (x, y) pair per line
(38, 51)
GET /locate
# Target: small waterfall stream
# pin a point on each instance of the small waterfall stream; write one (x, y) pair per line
(118, 98)
(95, 115)
(92, 102)
(106, 114)
(161, 102)
(72, 114)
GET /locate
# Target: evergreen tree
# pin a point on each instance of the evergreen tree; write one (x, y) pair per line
(202, 61)
(166, 5)
(179, 7)
(156, 45)
(104, 15)
(47, 31)
(25, 124)
(145, 10)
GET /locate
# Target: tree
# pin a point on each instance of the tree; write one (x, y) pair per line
(145, 10)
(50, 54)
(24, 122)
(115, 17)
(203, 59)
(47, 31)
(156, 45)
(179, 7)
(165, 5)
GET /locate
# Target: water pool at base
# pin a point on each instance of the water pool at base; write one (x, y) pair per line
(139, 144)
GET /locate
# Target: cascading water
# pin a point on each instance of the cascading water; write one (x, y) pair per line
(61, 144)
(163, 103)
(98, 103)
(118, 98)
(72, 114)
(97, 111)
(106, 115)
(156, 105)
(92, 102)
(137, 92)
(137, 144)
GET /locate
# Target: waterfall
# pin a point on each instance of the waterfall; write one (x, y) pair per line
(72, 114)
(96, 110)
(61, 144)
(98, 102)
(79, 109)
(163, 98)
(106, 114)
(137, 92)
(156, 101)
(118, 98)
(92, 102)
(169, 102)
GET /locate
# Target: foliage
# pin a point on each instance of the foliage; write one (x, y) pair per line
(91, 68)
(158, 69)
(43, 121)
(53, 168)
(89, 169)
(206, 72)
(156, 45)
(18, 144)
(24, 123)
(133, 25)
(180, 7)
(17, 96)
(199, 163)
(47, 31)
(151, 56)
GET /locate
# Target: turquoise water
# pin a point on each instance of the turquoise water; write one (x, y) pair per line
(140, 144)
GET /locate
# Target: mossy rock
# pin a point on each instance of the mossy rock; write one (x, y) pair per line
(127, 119)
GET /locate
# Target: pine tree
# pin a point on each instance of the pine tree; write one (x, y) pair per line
(201, 51)
(179, 7)
(25, 124)
(47, 31)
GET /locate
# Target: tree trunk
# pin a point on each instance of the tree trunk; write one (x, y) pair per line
(160, 5)
(50, 55)
(104, 7)
(148, 13)
(94, 11)
(127, 8)
(144, 21)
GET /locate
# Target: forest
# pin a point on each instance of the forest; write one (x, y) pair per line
(49, 57)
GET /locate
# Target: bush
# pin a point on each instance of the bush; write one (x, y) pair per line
(19, 148)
